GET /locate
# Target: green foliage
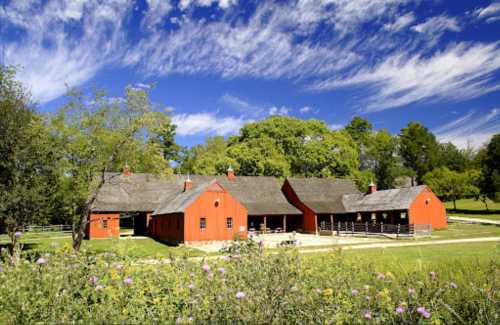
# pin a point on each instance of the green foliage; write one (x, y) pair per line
(418, 149)
(491, 169)
(451, 185)
(359, 129)
(28, 179)
(248, 287)
(385, 161)
(451, 157)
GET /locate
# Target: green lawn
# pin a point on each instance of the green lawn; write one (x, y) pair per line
(471, 208)
(411, 257)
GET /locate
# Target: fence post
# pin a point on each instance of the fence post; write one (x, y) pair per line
(366, 228)
(398, 230)
(382, 227)
(338, 230)
(352, 227)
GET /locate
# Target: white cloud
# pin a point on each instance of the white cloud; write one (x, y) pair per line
(462, 71)
(473, 129)
(490, 13)
(279, 110)
(305, 109)
(335, 126)
(401, 22)
(207, 124)
(156, 12)
(437, 25)
(224, 4)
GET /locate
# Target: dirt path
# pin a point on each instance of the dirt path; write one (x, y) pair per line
(475, 220)
(349, 247)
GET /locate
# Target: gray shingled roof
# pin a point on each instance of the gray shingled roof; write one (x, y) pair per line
(260, 195)
(179, 200)
(385, 200)
(323, 195)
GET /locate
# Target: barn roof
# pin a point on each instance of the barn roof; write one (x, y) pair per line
(384, 200)
(141, 192)
(179, 200)
(322, 195)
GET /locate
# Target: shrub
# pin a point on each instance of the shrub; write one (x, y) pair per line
(247, 286)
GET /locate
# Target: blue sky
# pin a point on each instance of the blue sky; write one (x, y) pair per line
(221, 63)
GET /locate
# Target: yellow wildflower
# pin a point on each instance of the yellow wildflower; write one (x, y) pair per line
(328, 292)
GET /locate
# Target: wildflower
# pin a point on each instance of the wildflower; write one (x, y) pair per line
(400, 310)
(453, 285)
(422, 311)
(210, 276)
(99, 287)
(411, 291)
(206, 267)
(433, 275)
(328, 292)
(41, 261)
(93, 279)
(190, 319)
(318, 290)
(354, 292)
(119, 267)
(240, 295)
(380, 276)
(191, 286)
(367, 315)
(18, 234)
(128, 281)
(178, 320)
(191, 274)
(226, 258)
(222, 270)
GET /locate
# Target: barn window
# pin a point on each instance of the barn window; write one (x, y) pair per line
(403, 215)
(374, 216)
(105, 223)
(217, 203)
(203, 224)
(384, 215)
(229, 223)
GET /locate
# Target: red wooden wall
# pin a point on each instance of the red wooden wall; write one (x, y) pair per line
(308, 220)
(428, 209)
(96, 227)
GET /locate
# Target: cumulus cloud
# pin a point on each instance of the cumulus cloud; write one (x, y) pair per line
(462, 71)
(207, 124)
(473, 129)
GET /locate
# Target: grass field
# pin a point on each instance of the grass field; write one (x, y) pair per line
(471, 208)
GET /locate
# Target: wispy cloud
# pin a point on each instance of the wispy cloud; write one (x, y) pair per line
(460, 72)
(401, 22)
(473, 129)
(207, 124)
(490, 13)
(437, 25)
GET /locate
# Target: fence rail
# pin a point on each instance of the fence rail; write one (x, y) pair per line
(375, 228)
(48, 228)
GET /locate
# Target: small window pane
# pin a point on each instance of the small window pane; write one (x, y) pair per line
(203, 224)
(105, 223)
(229, 223)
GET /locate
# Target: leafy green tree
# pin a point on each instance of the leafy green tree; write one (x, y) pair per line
(418, 149)
(453, 158)
(491, 169)
(97, 135)
(209, 158)
(359, 129)
(451, 185)
(28, 179)
(385, 162)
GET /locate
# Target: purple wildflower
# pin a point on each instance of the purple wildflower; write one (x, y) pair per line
(240, 295)
(206, 267)
(411, 291)
(128, 281)
(191, 286)
(41, 261)
(400, 310)
(93, 280)
(354, 292)
(18, 234)
(222, 270)
(367, 315)
(422, 311)
(453, 285)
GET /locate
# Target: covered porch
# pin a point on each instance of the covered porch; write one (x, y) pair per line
(274, 223)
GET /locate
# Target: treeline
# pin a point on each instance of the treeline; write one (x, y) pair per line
(51, 165)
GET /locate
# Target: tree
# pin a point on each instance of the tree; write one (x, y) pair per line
(454, 159)
(418, 149)
(450, 185)
(97, 135)
(28, 180)
(209, 158)
(384, 159)
(361, 132)
(491, 169)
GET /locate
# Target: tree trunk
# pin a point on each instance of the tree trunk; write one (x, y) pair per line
(454, 204)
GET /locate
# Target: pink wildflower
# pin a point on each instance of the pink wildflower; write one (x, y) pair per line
(41, 261)
(367, 315)
(18, 234)
(422, 311)
(99, 287)
(206, 267)
(93, 279)
(433, 275)
(222, 270)
(411, 291)
(354, 292)
(191, 286)
(400, 309)
(240, 295)
(128, 281)
(210, 276)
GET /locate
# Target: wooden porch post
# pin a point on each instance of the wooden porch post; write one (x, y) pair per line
(265, 224)
(316, 224)
(331, 223)
(284, 223)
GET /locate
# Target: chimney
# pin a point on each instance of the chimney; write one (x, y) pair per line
(230, 173)
(372, 188)
(126, 170)
(187, 184)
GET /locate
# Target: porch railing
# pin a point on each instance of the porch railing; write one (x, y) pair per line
(368, 228)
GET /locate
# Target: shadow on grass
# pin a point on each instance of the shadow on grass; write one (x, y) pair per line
(465, 211)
